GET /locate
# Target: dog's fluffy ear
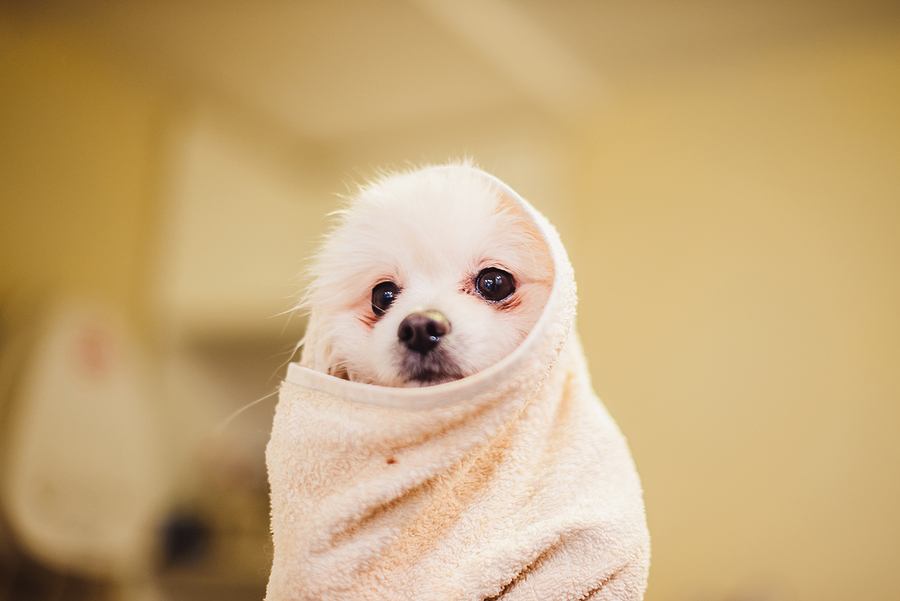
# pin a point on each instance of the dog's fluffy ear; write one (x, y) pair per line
(318, 353)
(531, 244)
(310, 357)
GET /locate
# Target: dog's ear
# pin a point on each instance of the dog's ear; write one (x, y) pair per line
(307, 344)
(318, 353)
(506, 207)
(531, 244)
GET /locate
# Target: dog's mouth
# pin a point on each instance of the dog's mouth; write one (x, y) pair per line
(431, 378)
(428, 370)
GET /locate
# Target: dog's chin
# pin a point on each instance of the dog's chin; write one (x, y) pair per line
(429, 378)
(429, 370)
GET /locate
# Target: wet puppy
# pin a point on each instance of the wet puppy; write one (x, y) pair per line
(430, 276)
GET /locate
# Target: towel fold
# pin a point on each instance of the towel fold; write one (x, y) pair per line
(513, 483)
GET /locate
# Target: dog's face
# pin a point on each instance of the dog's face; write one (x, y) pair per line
(430, 276)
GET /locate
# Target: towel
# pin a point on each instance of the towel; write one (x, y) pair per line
(513, 483)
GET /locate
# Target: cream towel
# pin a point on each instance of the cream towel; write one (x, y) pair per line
(514, 483)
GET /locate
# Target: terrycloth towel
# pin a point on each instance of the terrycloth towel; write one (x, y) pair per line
(513, 483)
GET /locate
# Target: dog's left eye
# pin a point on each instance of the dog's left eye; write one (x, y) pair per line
(495, 284)
(383, 295)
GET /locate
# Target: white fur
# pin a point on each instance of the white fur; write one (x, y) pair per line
(430, 231)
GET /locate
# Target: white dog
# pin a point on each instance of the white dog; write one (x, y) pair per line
(430, 276)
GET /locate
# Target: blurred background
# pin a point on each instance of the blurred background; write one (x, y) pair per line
(726, 177)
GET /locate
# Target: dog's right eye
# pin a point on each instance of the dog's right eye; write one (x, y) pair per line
(383, 295)
(495, 284)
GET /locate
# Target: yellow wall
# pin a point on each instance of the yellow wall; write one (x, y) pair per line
(78, 140)
(739, 271)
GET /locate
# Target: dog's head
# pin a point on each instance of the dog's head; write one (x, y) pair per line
(430, 276)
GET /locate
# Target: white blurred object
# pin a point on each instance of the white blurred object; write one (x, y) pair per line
(82, 482)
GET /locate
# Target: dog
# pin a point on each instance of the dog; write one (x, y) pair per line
(429, 276)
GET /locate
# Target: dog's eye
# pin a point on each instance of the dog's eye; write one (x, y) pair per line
(383, 295)
(495, 284)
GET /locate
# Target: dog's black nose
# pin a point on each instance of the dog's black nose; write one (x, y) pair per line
(422, 331)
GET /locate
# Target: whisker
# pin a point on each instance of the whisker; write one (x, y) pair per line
(224, 424)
